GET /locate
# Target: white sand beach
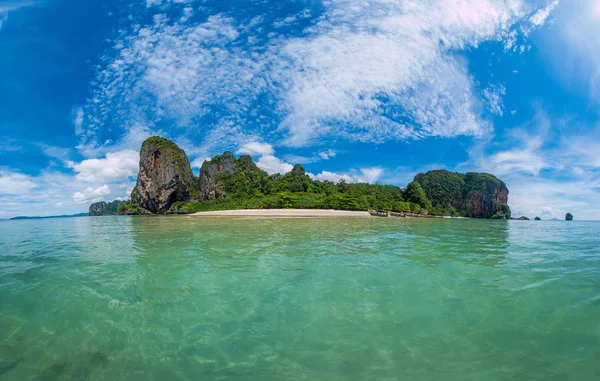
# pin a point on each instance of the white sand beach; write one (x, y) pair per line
(284, 213)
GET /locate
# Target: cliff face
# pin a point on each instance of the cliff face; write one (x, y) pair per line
(105, 209)
(212, 174)
(484, 195)
(477, 195)
(165, 176)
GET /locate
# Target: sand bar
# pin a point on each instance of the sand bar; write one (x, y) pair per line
(284, 213)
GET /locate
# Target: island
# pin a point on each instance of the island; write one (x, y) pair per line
(167, 185)
(569, 217)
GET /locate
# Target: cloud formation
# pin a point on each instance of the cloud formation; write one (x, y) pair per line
(359, 71)
(116, 166)
(91, 195)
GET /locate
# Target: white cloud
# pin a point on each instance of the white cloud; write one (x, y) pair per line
(6, 7)
(493, 94)
(255, 149)
(572, 48)
(91, 195)
(42, 194)
(197, 163)
(364, 175)
(272, 165)
(326, 155)
(12, 183)
(540, 17)
(116, 166)
(331, 176)
(370, 175)
(360, 72)
(78, 114)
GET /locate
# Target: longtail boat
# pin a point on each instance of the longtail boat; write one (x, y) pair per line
(378, 214)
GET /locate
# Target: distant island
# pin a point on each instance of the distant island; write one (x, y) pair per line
(48, 217)
(166, 185)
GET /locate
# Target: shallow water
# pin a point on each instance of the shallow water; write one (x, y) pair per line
(180, 298)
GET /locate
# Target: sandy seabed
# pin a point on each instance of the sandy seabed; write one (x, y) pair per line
(283, 213)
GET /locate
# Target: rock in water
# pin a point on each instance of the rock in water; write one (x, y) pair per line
(212, 173)
(569, 217)
(165, 176)
(106, 209)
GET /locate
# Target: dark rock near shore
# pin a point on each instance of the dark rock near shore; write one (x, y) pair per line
(106, 209)
(165, 176)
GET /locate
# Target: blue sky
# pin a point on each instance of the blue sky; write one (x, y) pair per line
(363, 90)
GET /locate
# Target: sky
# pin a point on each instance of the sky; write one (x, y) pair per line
(363, 90)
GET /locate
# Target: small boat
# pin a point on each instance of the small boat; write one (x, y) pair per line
(394, 214)
(378, 214)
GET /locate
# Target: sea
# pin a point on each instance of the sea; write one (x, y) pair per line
(184, 298)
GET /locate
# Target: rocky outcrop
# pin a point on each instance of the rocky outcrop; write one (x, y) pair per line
(212, 176)
(484, 196)
(165, 176)
(106, 209)
(476, 195)
(569, 217)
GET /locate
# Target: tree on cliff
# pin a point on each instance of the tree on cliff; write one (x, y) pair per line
(415, 193)
(569, 217)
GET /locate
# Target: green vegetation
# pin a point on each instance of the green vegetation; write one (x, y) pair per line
(251, 188)
(442, 187)
(448, 192)
(415, 194)
(130, 207)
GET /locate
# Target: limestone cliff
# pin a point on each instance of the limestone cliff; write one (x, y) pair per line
(165, 176)
(106, 209)
(476, 195)
(211, 176)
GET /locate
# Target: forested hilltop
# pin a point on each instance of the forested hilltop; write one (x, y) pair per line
(166, 185)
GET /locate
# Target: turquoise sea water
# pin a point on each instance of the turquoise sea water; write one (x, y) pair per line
(307, 299)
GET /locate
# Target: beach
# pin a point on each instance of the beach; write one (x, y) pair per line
(285, 213)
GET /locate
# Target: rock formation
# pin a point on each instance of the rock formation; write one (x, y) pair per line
(478, 195)
(165, 185)
(212, 173)
(165, 176)
(569, 217)
(106, 209)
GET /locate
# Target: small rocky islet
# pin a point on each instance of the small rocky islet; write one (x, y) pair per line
(167, 185)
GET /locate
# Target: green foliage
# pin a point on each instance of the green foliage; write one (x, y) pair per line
(481, 182)
(499, 216)
(129, 207)
(415, 194)
(249, 187)
(504, 208)
(441, 187)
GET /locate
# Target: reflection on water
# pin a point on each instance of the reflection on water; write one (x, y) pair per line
(299, 299)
